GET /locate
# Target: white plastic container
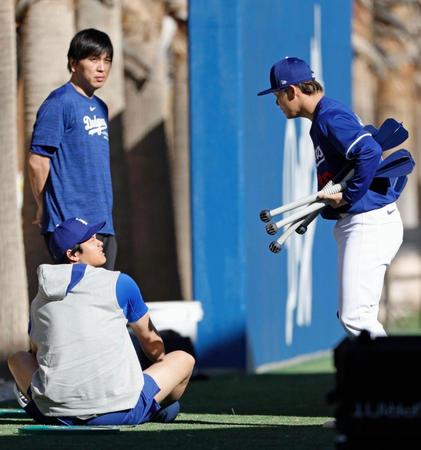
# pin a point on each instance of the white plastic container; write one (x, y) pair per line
(180, 316)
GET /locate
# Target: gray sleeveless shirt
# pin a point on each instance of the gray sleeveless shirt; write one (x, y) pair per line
(87, 362)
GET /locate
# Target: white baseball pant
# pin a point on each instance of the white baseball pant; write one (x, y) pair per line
(367, 243)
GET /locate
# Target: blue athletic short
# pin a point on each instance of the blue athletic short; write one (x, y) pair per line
(145, 408)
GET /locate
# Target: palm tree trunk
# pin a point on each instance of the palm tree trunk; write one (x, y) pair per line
(180, 158)
(147, 145)
(107, 16)
(396, 91)
(365, 62)
(47, 29)
(396, 36)
(14, 301)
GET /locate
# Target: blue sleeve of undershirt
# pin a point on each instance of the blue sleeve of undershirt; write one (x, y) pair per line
(130, 298)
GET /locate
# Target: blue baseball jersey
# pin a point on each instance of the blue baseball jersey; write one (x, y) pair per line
(339, 139)
(72, 130)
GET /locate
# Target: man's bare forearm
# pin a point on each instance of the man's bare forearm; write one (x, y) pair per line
(38, 171)
(153, 347)
(149, 339)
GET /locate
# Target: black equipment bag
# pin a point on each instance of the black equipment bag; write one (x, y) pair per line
(378, 392)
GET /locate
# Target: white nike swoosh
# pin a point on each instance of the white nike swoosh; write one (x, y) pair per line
(92, 108)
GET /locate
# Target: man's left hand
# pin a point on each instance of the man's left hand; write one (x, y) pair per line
(333, 200)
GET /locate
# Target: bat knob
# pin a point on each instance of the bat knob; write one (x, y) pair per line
(301, 229)
(265, 215)
(271, 228)
(275, 247)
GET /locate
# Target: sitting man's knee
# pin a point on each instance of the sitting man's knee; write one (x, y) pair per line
(190, 360)
(14, 359)
(185, 358)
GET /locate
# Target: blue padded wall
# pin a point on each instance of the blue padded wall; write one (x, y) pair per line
(260, 308)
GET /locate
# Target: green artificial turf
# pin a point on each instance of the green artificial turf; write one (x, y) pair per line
(284, 409)
(407, 325)
(281, 410)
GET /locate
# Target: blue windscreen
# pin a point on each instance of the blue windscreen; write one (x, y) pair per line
(259, 308)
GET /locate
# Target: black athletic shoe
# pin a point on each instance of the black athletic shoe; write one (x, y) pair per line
(20, 397)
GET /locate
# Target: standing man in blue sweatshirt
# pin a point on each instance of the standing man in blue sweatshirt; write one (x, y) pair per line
(69, 162)
(368, 228)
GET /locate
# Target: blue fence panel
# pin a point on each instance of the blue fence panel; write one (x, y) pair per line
(259, 308)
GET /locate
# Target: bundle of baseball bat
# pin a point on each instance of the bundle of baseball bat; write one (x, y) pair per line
(303, 211)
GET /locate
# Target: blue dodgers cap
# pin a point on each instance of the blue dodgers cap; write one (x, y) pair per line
(287, 71)
(70, 233)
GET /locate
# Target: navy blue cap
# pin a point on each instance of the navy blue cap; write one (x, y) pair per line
(287, 71)
(70, 233)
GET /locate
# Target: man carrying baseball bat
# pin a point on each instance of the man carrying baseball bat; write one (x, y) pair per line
(368, 228)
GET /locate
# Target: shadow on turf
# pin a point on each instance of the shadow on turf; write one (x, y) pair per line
(16, 422)
(274, 394)
(244, 437)
(230, 423)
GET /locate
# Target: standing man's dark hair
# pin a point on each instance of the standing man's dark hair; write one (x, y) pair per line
(89, 42)
(69, 164)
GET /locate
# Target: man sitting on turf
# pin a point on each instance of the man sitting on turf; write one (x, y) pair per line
(82, 367)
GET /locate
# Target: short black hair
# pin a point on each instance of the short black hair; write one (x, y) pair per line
(64, 259)
(89, 42)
